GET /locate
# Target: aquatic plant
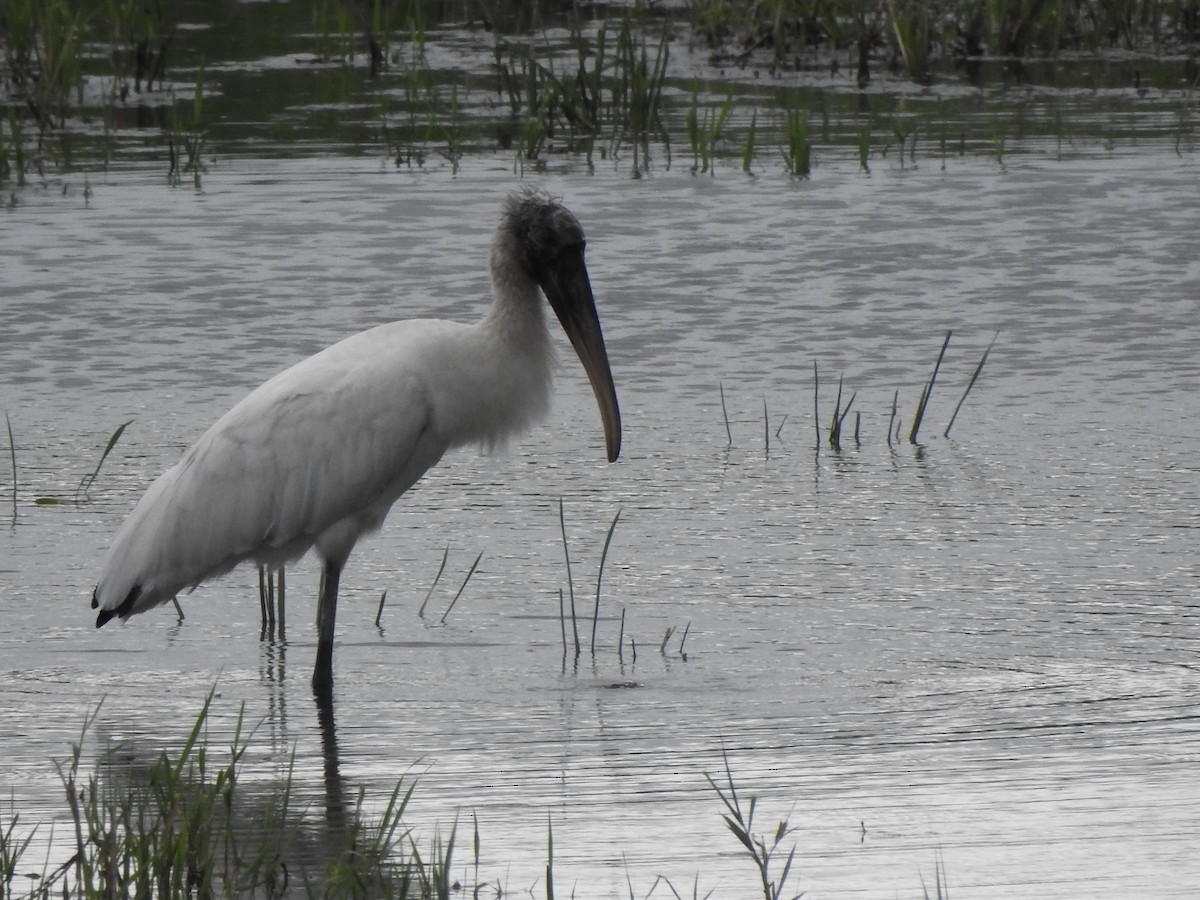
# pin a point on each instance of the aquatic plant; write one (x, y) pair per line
(911, 30)
(12, 456)
(563, 608)
(13, 848)
(725, 415)
(864, 149)
(940, 884)
(140, 36)
(85, 483)
(766, 430)
(970, 384)
(927, 391)
(637, 92)
(739, 819)
(180, 826)
(600, 575)
(562, 522)
(462, 587)
(748, 145)
(817, 405)
(839, 419)
(42, 42)
(272, 602)
(892, 418)
(794, 35)
(797, 154)
(11, 145)
(185, 139)
(436, 579)
(599, 91)
(904, 126)
(705, 134)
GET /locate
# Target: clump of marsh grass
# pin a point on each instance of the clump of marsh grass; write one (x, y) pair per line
(185, 140)
(911, 30)
(797, 156)
(563, 609)
(941, 886)
(13, 848)
(12, 150)
(838, 422)
(705, 134)
(168, 829)
(739, 819)
(638, 91)
(179, 826)
(748, 146)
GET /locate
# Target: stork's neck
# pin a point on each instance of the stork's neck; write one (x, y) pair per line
(508, 363)
(517, 316)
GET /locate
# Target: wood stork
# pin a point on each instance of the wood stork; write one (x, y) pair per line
(316, 456)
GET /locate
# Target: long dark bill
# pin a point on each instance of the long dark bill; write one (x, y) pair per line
(569, 291)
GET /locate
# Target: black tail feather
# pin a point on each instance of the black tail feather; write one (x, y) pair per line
(125, 610)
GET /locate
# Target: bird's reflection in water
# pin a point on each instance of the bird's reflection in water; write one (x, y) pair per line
(273, 674)
(335, 803)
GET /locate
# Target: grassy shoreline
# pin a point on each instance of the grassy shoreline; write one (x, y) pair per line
(760, 87)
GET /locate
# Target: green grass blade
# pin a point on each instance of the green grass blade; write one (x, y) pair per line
(86, 482)
(600, 575)
(970, 384)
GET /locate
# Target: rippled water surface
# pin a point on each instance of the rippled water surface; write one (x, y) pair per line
(981, 649)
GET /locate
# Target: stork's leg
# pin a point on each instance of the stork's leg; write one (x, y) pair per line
(326, 616)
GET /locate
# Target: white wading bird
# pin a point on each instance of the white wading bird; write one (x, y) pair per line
(317, 456)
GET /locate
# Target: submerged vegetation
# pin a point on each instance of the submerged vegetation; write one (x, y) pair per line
(86, 84)
(192, 823)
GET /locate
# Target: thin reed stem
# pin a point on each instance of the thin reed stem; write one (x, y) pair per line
(600, 576)
(766, 429)
(817, 405)
(462, 587)
(928, 392)
(12, 455)
(970, 384)
(725, 413)
(436, 579)
(562, 524)
(85, 483)
(892, 417)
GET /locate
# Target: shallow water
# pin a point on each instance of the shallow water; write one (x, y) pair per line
(982, 648)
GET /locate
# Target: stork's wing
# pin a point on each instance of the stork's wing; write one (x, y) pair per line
(315, 455)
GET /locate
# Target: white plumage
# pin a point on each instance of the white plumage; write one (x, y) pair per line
(316, 456)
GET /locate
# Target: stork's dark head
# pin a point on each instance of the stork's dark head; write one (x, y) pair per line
(542, 229)
(544, 240)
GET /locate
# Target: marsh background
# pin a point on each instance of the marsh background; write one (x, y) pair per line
(978, 649)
